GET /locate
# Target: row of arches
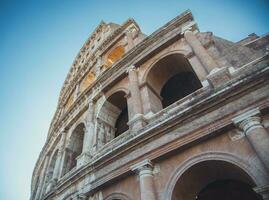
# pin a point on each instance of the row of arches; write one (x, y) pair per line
(169, 80)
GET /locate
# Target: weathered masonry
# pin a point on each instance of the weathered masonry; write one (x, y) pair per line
(176, 115)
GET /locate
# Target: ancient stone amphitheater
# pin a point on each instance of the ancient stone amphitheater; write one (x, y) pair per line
(176, 115)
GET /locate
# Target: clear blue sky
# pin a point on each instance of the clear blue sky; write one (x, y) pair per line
(40, 39)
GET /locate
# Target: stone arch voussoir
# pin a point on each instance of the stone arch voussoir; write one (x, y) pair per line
(160, 57)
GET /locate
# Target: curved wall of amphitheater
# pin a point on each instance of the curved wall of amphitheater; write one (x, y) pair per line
(178, 114)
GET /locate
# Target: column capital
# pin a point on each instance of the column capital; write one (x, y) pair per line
(91, 102)
(131, 68)
(248, 120)
(143, 168)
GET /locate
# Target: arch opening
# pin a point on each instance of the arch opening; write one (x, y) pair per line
(113, 117)
(116, 54)
(170, 79)
(227, 190)
(74, 147)
(52, 165)
(214, 179)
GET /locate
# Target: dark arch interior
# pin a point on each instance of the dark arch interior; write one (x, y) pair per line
(118, 99)
(208, 179)
(179, 86)
(172, 78)
(228, 190)
(121, 123)
(75, 147)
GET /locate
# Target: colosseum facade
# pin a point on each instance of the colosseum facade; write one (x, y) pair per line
(176, 115)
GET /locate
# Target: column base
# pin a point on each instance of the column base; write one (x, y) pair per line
(83, 159)
(219, 76)
(137, 122)
(263, 191)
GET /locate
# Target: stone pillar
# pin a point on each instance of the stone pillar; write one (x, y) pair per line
(138, 120)
(98, 65)
(258, 137)
(42, 179)
(58, 164)
(129, 38)
(88, 136)
(207, 61)
(62, 164)
(145, 171)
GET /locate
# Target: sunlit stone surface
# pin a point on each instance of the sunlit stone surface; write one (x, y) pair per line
(178, 114)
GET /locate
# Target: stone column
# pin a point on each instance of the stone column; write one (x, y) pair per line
(145, 171)
(42, 179)
(98, 65)
(58, 164)
(88, 136)
(57, 167)
(258, 137)
(130, 41)
(207, 61)
(138, 120)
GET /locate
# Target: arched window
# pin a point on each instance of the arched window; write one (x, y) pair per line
(74, 147)
(87, 81)
(113, 117)
(115, 54)
(169, 80)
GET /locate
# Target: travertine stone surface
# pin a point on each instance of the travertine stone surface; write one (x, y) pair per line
(195, 105)
(145, 172)
(250, 123)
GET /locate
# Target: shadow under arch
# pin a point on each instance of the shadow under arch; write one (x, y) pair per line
(170, 79)
(112, 117)
(74, 147)
(247, 173)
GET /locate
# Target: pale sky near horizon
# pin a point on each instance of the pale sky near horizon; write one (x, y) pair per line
(39, 41)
